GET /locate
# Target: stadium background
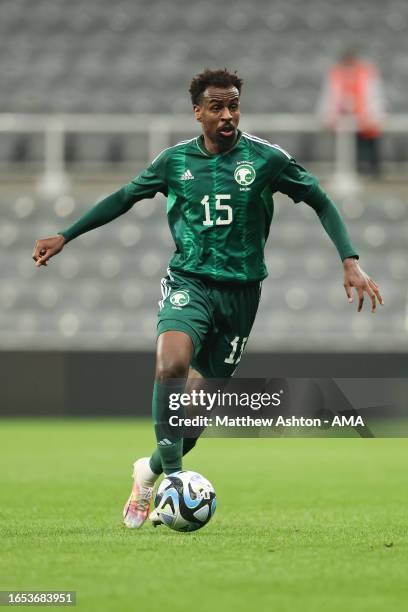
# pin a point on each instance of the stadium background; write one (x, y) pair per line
(90, 92)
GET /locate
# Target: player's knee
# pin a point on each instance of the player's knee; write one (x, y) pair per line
(167, 369)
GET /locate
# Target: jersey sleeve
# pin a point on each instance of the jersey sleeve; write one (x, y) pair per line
(150, 181)
(301, 185)
(295, 182)
(144, 185)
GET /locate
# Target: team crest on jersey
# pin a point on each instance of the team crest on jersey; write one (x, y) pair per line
(179, 299)
(245, 174)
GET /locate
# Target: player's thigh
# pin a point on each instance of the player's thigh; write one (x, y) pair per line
(186, 308)
(235, 315)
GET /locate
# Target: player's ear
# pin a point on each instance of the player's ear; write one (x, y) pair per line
(197, 111)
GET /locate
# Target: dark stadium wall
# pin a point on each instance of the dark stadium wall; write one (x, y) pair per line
(96, 384)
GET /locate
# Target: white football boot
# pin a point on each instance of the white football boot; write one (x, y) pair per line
(137, 507)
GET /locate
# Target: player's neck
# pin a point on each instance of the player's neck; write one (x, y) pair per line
(214, 149)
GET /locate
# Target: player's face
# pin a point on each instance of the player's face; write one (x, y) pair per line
(219, 116)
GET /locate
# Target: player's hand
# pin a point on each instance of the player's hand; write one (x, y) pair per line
(46, 248)
(355, 277)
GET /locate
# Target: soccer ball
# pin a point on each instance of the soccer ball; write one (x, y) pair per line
(185, 501)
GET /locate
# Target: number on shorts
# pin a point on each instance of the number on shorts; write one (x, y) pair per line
(232, 358)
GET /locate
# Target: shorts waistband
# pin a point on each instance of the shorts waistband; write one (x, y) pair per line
(216, 283)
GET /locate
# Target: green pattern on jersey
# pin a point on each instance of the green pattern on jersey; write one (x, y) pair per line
(212, 241)
(220, 207)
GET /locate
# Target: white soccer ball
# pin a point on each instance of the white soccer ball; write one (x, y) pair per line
(185, 501)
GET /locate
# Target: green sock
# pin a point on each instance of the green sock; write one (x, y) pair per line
(155, 459)
(169, 439)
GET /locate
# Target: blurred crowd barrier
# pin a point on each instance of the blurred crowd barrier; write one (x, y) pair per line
(58, 145)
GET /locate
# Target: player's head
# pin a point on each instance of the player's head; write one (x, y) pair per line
(215, 97)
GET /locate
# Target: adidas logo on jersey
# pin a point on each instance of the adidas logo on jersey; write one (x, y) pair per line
(186, 176)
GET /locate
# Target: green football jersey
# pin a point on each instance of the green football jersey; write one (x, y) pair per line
(220, 206)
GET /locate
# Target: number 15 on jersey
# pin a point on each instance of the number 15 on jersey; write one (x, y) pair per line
(225, 210)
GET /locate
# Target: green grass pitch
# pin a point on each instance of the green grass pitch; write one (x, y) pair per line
(301, 524)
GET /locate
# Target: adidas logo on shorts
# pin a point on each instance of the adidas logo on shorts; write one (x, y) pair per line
(186, 176)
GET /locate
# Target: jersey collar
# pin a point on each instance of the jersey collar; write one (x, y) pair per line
(200, 145)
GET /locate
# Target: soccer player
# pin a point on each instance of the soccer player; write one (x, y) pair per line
(219, 189)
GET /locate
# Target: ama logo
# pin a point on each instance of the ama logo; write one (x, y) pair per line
(348, 421)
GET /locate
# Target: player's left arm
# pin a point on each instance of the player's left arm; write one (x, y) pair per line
(145, 185)
(301, 185)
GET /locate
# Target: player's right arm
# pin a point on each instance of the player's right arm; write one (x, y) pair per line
(301, 185)
(145, 185)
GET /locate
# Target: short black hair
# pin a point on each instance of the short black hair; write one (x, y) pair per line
(214, 78)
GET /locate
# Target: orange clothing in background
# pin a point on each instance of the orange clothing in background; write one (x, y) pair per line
(354, 88)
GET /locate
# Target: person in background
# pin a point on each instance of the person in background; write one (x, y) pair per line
(353, 87)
